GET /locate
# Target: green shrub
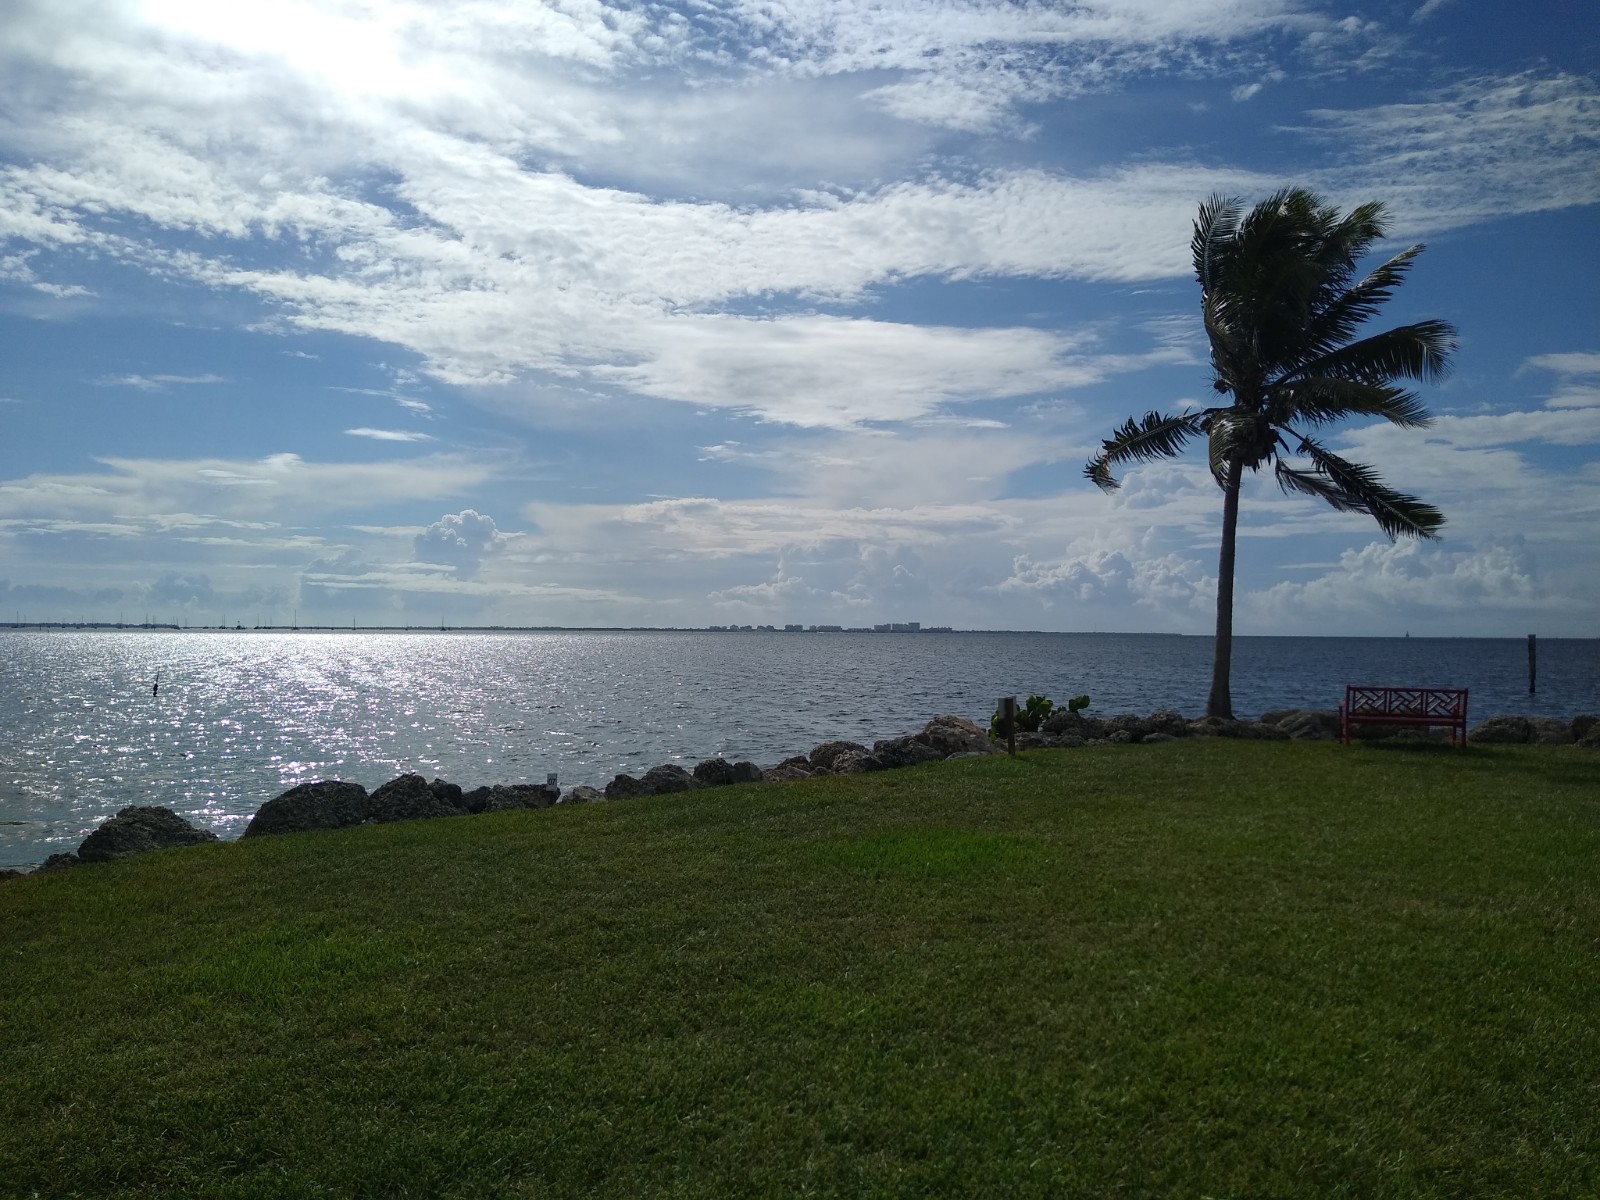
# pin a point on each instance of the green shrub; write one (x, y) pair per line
(1029, 716)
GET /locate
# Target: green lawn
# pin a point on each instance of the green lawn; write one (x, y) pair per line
(1204, 968)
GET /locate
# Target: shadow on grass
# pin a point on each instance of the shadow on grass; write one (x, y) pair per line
(1550, 764)
(1465, 753)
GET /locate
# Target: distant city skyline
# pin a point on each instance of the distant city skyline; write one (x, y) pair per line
(741, 313)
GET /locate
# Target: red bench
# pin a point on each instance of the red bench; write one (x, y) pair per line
(1424, 708)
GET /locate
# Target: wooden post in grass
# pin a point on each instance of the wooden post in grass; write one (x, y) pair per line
(1533, 662)
(1008, 718)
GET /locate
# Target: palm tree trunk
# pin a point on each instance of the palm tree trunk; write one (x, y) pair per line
(1220, 702)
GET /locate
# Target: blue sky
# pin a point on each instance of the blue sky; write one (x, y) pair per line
(763, 312)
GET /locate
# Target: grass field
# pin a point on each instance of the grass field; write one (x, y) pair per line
(1204, 968)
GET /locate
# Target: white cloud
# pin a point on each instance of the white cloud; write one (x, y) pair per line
(1487, 147)
(1382, 585)
(461, 541)
(606, 207)
(157, 383)
(1576, 363)
(1570, 368)
(1164, 585)
(967, 66)
(1573, 395)
(279, 487)
(408, 181)
(390, 435)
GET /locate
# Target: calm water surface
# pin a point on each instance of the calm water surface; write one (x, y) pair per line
(239, 717)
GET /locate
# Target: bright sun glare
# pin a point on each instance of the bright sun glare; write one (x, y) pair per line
(351, 48)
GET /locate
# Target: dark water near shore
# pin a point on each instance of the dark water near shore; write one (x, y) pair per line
(242, 716)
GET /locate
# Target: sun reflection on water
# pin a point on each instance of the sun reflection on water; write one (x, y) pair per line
(241, 716)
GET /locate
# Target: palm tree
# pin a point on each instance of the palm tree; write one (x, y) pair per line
(1283, 304)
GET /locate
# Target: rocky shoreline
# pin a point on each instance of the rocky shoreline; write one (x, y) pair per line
(334, 804)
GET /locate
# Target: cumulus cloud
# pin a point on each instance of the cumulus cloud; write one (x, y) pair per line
(462, 541)
(1166, 586)
(1383, 585)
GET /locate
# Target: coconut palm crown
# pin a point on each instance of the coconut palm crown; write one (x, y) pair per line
(1284, 308)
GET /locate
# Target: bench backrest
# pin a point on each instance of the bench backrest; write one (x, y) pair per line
(1405, 702)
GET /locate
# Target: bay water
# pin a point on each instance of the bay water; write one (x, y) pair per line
(239, 717)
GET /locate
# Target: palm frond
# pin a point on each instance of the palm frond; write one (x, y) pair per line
(1339, 242)
(1345, 312)
(1352, 487)
(1156, 436)
(1323, 399)
(1229, 340)
(1214, 227)
(1418, 351)
(1310, 483)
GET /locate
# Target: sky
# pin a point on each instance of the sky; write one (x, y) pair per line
(764, 311)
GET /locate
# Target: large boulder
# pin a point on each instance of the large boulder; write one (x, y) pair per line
(1305, 724)
(408, 798)
(10, 873)
(657, 781)
(713, 772)
(1167, 721)
(789, 769)
(1504, 729)
(665, 779)
(325, 804)
(956, 735)
(1583, 725)
(623, 787)
(719, 772)
(60, 861)
(503, 796)
(1224, 728)
(823, 757)
(138, 829)
(582, 794)
(856, 762)
(447, 793)
(1549, 731)
(904, 751)
(1065, 724)
(1131, 724)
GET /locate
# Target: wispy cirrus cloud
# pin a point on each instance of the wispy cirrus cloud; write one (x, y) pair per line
(273, 489)
(1484, 147)
(157, 383)
(390, 435)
